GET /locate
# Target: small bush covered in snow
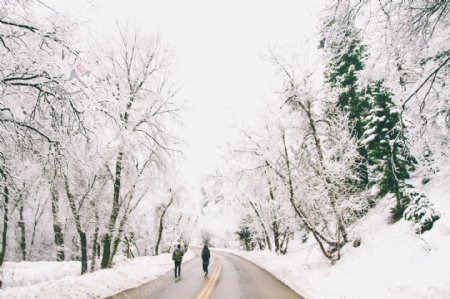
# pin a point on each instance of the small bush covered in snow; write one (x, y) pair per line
(420, 211)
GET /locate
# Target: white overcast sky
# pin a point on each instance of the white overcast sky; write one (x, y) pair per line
(218, 46)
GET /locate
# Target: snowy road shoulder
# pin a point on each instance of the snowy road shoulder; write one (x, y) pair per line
(103, 283)
(392, 261)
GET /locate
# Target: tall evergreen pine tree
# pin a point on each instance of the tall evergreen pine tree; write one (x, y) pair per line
(341, 73)
(387, 155)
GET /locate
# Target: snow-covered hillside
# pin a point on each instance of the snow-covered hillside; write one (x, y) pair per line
(391, 262)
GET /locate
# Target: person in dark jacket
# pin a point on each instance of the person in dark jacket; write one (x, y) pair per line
(205, 258)
(177, 257)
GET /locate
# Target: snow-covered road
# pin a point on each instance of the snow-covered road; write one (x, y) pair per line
(230, 277)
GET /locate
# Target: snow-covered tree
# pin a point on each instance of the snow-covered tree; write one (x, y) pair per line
(409, 48)
(35, 107)
(346, 58)
(387, 152)
(420, 211)
(383, 106)
(135, 70)
(77, 131)
(346, 55)
(296, 161)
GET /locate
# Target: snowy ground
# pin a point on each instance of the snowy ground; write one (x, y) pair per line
(392, 261)
(62, 280)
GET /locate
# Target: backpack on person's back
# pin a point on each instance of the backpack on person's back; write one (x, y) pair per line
(177, 254)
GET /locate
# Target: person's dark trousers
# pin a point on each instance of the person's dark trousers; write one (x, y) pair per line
(205, 268)
(177, 266)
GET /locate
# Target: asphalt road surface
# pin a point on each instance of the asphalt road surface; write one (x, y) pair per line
(230, 277)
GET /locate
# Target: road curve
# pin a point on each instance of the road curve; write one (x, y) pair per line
(230, 277)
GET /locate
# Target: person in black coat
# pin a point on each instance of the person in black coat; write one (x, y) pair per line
(205, 258)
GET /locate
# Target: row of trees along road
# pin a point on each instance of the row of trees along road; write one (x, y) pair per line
(322, 155)
(86, 139)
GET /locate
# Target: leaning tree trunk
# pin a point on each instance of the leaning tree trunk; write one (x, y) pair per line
(161, 224)
(284, 242)
(160, 231)
(129, 208)
(301, 214)
(106, 258)
(266, 235)
(81, 233)
(121, 228)
(5, 223)
(312, 125)
(118, 237)
(37, 216)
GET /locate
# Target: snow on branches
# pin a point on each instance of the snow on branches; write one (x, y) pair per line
(420, 211)
(83, 137)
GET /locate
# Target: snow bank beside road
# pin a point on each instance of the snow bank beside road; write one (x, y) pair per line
(392, 261)
(29, 273)
(103, 283)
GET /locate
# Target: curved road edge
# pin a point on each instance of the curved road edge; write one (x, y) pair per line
(145, 289)
(262, 267)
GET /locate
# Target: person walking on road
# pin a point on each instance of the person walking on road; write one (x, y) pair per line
(205, 258)
(177, 257)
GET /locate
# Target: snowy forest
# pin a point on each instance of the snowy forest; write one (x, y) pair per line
(87, 140)
(90, 141)
(323, 154)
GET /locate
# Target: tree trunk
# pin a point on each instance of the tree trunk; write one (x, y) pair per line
(37, 216)
(81, 233)
(391, 166)
(118, 237)
(106, 241)
(83, 251)
(160, 231)
(21, 225)
(317, 236)
(266, 235)
(261, 245)
(57, 229)
(275, 223)
(5, 224)
(106, 258)
(312, 124)
(161, 223)
(95, 242)
(276, 236)
(285, 242)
